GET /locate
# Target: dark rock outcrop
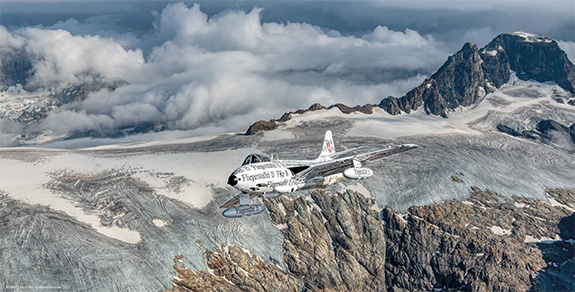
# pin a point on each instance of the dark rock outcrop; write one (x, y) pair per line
(81, 91)
(262, 126)
(480, 245)
(567, 227)
(456, 179)
(546, 128)
(391, 105)
(15, 68)
(366, 109)
(234, 269)
(546, 131)
(459, 82)
(532, 57)
(272, 124)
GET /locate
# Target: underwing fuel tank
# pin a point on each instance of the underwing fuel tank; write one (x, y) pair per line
(243, 210)
(357, 173)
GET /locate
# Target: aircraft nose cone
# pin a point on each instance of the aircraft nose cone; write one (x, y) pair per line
(232, 180)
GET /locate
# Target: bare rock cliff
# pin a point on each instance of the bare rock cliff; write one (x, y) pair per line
(331, 243)
(342, 243)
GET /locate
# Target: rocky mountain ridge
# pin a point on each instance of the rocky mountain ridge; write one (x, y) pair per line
(22, 113)
(272, 124)
(24, 104)
(342, 242)
(467, 76)
(459, 82)
(15, 68)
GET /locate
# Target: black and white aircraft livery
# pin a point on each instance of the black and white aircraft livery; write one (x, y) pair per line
(260, 175)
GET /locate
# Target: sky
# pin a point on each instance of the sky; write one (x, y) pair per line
(218, 66)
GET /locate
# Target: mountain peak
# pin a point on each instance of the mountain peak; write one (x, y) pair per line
(469, 47)
(459, 82)
(529, 37)
(470, 73)
(531, 57)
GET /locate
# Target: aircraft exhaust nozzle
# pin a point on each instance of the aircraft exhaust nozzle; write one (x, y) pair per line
(243, 211)
(357, 173)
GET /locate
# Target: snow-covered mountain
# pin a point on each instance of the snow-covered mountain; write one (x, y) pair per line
(468, 75)
(463, 81)
(519, 84)
(493, 180)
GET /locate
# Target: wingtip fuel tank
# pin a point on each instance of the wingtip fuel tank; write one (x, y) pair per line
(357, 173)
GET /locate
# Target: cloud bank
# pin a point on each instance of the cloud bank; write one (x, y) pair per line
(219, 73)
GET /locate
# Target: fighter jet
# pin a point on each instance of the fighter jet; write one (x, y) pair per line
(260, 175)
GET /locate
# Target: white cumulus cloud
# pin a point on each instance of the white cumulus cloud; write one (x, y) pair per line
(219, 73)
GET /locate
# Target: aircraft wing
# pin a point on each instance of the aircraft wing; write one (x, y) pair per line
(335, 166)
(384, 152)
(340, 153)
(239, 199)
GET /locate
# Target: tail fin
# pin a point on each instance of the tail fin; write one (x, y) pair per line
(328, 146)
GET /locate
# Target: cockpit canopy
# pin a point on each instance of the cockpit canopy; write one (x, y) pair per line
(256, 158)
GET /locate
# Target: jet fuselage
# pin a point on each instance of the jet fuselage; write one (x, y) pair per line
(260, 178)
(260, 175)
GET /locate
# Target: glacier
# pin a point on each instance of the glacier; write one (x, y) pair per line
(112, 217)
